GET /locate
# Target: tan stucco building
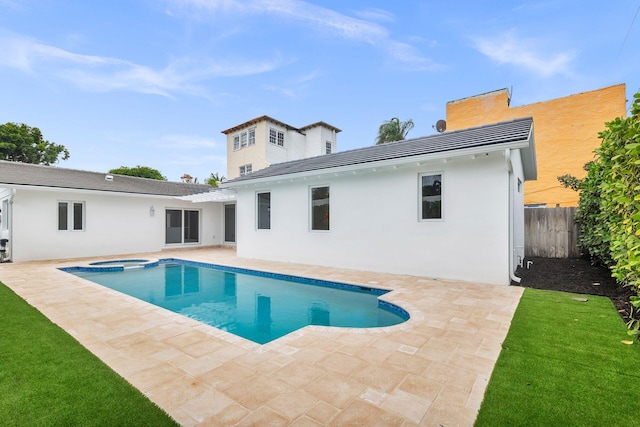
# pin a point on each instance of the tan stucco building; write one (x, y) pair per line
(260, 142)
(565, 131)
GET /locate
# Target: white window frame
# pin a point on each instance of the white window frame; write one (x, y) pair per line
(236, 142)
(276, 137)
(244, 139)
(71, 220)
(246, 169)
(311, 217)
(258, 227)
(328, 147)
(252, 136)
(420, 197)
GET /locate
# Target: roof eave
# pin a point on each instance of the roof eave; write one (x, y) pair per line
(84, 190)
(361, 167)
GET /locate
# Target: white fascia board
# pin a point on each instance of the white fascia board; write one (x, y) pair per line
(223, 195)
(383, 164)
(85, 191)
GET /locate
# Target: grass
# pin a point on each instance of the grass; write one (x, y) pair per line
(563, 363)
(47, 378)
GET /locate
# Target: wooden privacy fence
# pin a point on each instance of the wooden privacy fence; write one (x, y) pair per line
(550, 233)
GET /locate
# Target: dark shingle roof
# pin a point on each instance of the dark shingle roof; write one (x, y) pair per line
(279, 123)
(25, 174)
(515, 131)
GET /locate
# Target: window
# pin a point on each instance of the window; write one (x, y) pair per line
(276, 137)
(328, 147)
(264, 211)
(245, 169)
(320, 208)
(182, 226)
(70, 216)
(4, 215)
(244, 139)
(431, 196)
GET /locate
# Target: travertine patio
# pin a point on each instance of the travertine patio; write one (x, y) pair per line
(431, 370)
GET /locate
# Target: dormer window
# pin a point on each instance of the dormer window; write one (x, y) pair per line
(276, 137)
(328, 147)
(244, 139)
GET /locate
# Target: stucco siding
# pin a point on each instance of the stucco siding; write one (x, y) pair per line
(114, 224)
(375, 226)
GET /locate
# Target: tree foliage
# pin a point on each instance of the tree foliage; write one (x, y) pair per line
(609, 211)
(619, 166)
(22, 143)
(139, 171)
(393, 130)
(214, 179)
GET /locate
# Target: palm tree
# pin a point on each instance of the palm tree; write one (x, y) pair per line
(393, 130)
(214, 179)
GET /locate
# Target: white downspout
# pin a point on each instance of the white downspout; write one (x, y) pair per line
(512, 275)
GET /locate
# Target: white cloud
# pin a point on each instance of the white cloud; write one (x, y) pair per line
(375, 14)
(102, 74)
(323, 19)
(529, 54)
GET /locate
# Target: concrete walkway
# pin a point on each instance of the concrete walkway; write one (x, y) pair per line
(431, 370)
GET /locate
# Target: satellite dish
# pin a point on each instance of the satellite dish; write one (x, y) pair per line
(441, 126)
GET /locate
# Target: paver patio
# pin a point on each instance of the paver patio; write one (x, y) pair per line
(431, 370)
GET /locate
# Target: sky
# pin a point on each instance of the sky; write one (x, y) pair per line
(154, 82)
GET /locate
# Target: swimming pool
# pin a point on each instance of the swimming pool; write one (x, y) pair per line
(254, 305)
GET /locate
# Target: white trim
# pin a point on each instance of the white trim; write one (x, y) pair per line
(70, 216)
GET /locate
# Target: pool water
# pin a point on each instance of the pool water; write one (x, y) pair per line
(257, 306)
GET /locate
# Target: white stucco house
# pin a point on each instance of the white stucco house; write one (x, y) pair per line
(444, 206)
(52, 213)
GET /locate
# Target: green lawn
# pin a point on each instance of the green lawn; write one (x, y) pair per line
(48, 379)
(563, 363)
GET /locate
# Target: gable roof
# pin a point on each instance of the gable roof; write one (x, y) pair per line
(279, 123)
(512, 134)
(15, 174)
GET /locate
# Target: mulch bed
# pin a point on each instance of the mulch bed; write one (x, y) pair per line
(575, 275)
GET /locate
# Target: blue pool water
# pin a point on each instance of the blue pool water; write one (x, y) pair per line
(257, 306)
